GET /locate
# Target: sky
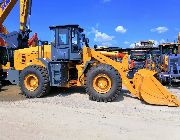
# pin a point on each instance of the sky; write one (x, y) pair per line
(118, 23)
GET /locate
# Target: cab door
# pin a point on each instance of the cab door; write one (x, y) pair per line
(61, 49)
(75, 45)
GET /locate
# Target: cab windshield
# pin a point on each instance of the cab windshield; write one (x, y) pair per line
(138, 55)
(169, 49)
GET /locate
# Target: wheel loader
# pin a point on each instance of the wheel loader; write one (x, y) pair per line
(69, 61)
(66, 63)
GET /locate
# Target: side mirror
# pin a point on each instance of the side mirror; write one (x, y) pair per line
(95, 47)
(86, 40)
(83, 37)
(43, 43)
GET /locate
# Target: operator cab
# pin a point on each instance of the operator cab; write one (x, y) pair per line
(169, 48)
(138, 55)
(67, 43)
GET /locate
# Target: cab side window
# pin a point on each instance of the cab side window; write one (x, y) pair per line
(75, 41)
(63, 37)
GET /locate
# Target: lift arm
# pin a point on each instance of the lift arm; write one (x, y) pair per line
(25, 12)
(5, 9)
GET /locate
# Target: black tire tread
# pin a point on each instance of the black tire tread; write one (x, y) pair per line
(45, 87)
(114, 75)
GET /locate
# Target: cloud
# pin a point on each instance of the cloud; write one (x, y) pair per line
(156, 43)
(93, 30)
(120, 29)
(126, 42)
(101, 37)
(177, 29)
(162, 41)
(132, 45)
(106, 1)
(108, 44)
(160, 29)
(97, 25)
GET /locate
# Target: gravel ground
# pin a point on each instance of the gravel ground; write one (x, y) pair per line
(68, 114)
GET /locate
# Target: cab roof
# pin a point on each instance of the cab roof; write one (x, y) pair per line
(67, 26)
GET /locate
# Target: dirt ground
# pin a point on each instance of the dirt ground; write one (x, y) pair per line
(68, 114)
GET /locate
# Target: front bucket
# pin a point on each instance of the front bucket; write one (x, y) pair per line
(151, 90)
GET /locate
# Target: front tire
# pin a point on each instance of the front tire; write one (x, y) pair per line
(103, 83)
(34, 82)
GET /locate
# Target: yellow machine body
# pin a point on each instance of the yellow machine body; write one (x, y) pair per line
(29, 56)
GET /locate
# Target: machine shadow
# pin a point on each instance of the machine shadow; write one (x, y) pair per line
(4, 85)
(174, 86)
(124, 93)
(58, 91)
(3, 90)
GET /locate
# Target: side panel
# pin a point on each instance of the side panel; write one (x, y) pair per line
(60, 53)
(30, 56)
(13, 76)
(58, 73)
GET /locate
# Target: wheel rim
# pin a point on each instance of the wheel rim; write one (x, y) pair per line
(102, 83)
(31, 82)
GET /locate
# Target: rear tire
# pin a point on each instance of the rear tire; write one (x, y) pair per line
(98, 80)
(34, 82)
